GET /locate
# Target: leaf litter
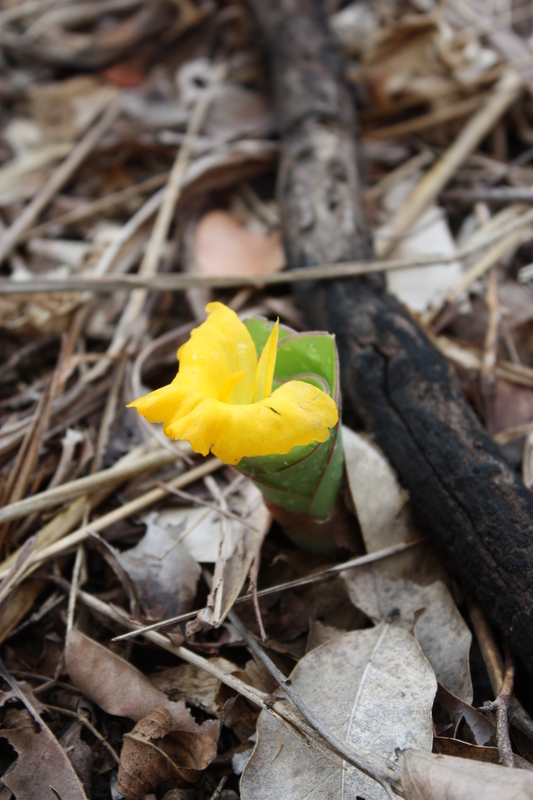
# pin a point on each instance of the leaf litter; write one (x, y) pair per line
(98, 100)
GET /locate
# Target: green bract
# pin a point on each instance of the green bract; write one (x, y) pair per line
(306, 481)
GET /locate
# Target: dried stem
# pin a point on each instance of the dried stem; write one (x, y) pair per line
(501, 707)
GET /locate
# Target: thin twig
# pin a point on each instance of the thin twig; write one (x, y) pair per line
(64, 172)
(41, 555)
(315, 577)
(87, 724)
(76, 571)
(94, 207)
(177, 282)
(501, 707)
(117, 474)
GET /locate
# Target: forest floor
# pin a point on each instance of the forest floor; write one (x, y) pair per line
(138, 152)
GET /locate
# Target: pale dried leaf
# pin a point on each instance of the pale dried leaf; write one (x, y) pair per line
(356, 27)
(428, 611)
(380, 501)
(426, 776)
(236, 111)
(422, 288)
(199, 531)
(373, 689)
(384, 511)
(319, 634)
(164, 573)
(224, 246)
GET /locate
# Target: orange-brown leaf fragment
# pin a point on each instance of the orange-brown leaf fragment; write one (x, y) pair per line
(224, 246)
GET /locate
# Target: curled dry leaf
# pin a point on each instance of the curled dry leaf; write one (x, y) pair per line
(428, 611)
(42, 764)
(449, 710)
(152, 753)
(231, 569)
(224, 246)
(426, 776)
(373, 689)
(454, 747)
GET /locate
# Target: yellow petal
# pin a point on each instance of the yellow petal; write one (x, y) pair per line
(229, 385)
(295, 414)
(265, 369)
(164, 404)
(218, 348)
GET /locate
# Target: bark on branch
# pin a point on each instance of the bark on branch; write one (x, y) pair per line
(397, 383)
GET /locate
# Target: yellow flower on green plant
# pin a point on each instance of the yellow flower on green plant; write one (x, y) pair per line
(221, 400)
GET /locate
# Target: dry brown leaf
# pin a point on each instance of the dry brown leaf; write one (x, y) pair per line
(42, 767)
(153, 753)
(195, 685)
(223, 246)
(426, 776)
(120, 689)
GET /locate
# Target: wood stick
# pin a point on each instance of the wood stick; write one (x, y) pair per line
(91, 483)
(395, 381)
(177, 282)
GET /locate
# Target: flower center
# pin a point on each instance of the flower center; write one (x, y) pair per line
(264, 373)
(227, 388)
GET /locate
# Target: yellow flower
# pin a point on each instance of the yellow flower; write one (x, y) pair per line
(221, 400)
